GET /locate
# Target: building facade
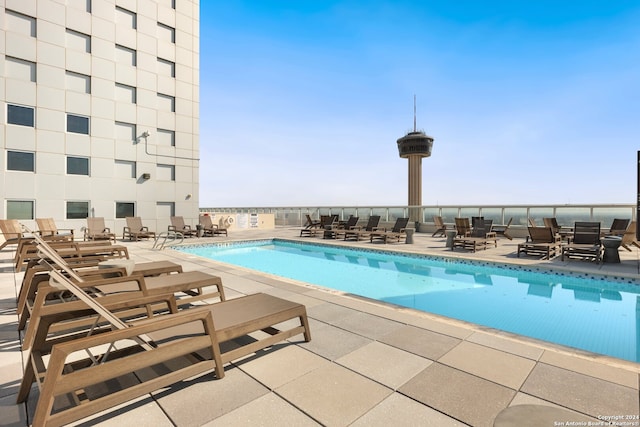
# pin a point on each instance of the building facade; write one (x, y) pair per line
(100, 111)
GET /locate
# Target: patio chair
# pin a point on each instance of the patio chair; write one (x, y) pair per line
(167, 349)
(478, 238)
(629, 237)
(209, 228)
(618, 227)
(311, 223)
(441, 227)
(326, 222)
(585, 242)
(12, 232)
(503, 230)
(358, 232)
(542, 242)
(463, 228)
(178, 225)
(134, 229)
(47, 228)
(97, 230)
(532, 222)
(397, 232)
(334, 231)
(552, 222)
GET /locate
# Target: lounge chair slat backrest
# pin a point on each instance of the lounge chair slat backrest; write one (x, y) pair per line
(542, 235)
(11, 228)
(619, 226)
(351, 222)
(134, 223)
(372, 222)
(205, 221)
(462, 226)
(586, 233)
(481, 227)
(400, 225)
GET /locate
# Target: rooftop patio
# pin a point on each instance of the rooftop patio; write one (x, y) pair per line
(368, 363)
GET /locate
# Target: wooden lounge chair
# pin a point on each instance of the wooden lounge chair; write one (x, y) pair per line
(585, 242)
(326, 222)
(134, 229)
(618, 227)
(463, 227)
(334, 232)
(311, 223)
(552, 222)
(359, 232)
(180, 346)
(542, 242)
(97, 230)
(397, 232)
(12, 232)
(47, 228)
(178, 225)
(629, 237)
(441, 227)
(209, 228)
(478, 238)
(503, 230)
(92, 250)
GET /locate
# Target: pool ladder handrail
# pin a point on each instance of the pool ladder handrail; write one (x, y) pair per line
(167, 236)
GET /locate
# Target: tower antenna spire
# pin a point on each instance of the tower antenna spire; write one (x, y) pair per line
(414, 113)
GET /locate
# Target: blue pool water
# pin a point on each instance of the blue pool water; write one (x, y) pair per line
(589, 313)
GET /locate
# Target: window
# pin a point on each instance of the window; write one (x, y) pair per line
(125, 169)
(77, 124)
(125, 93)
(166, 33)
(166, 68)
(21, 116)
(125, 209)
(20, 209)
(20, 69)
(125, 131)
(21, 161)
(77, 210)
(77, 166)
(78, 41)
(78, 82)
(126, 56)
(166, 103)
(166, 172)
(166, 137)
(125, 18)
(19, 23)
(165, 209)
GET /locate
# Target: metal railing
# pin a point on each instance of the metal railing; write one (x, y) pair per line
(500, 214)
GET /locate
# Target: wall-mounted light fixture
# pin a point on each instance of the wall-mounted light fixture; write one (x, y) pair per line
(146, 176)
(145, 134)
(188, 197)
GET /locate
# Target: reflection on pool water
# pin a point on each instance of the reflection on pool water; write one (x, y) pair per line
(589, 313)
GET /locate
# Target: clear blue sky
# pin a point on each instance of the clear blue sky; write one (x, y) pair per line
(529, 102)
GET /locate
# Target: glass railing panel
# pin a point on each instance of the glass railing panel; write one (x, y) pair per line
(539, 213)
(347, 212)
(467, 212)
(606, 215)
(492, 213)
(449, 215)
(382, 212)
(566, 216)
(395, 213)
(429, 213)
(519, 216)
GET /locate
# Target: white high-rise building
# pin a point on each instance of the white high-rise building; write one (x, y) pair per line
(100, 111)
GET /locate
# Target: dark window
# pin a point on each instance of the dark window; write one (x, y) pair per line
(77, 124)
(77, 166)
(77, 210)
(17, 115)
(125, 209)
(20, 161)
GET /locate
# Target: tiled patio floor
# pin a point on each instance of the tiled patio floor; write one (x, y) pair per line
(368, 364)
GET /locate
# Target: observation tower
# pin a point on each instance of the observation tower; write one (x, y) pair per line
(414, 146)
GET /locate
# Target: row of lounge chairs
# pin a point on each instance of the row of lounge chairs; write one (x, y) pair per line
(330, 228)
(96, 230)
(98, 337)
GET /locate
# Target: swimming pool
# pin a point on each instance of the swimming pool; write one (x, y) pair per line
(586, 312)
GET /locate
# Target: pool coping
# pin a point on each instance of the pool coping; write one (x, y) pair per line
(470, 326)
